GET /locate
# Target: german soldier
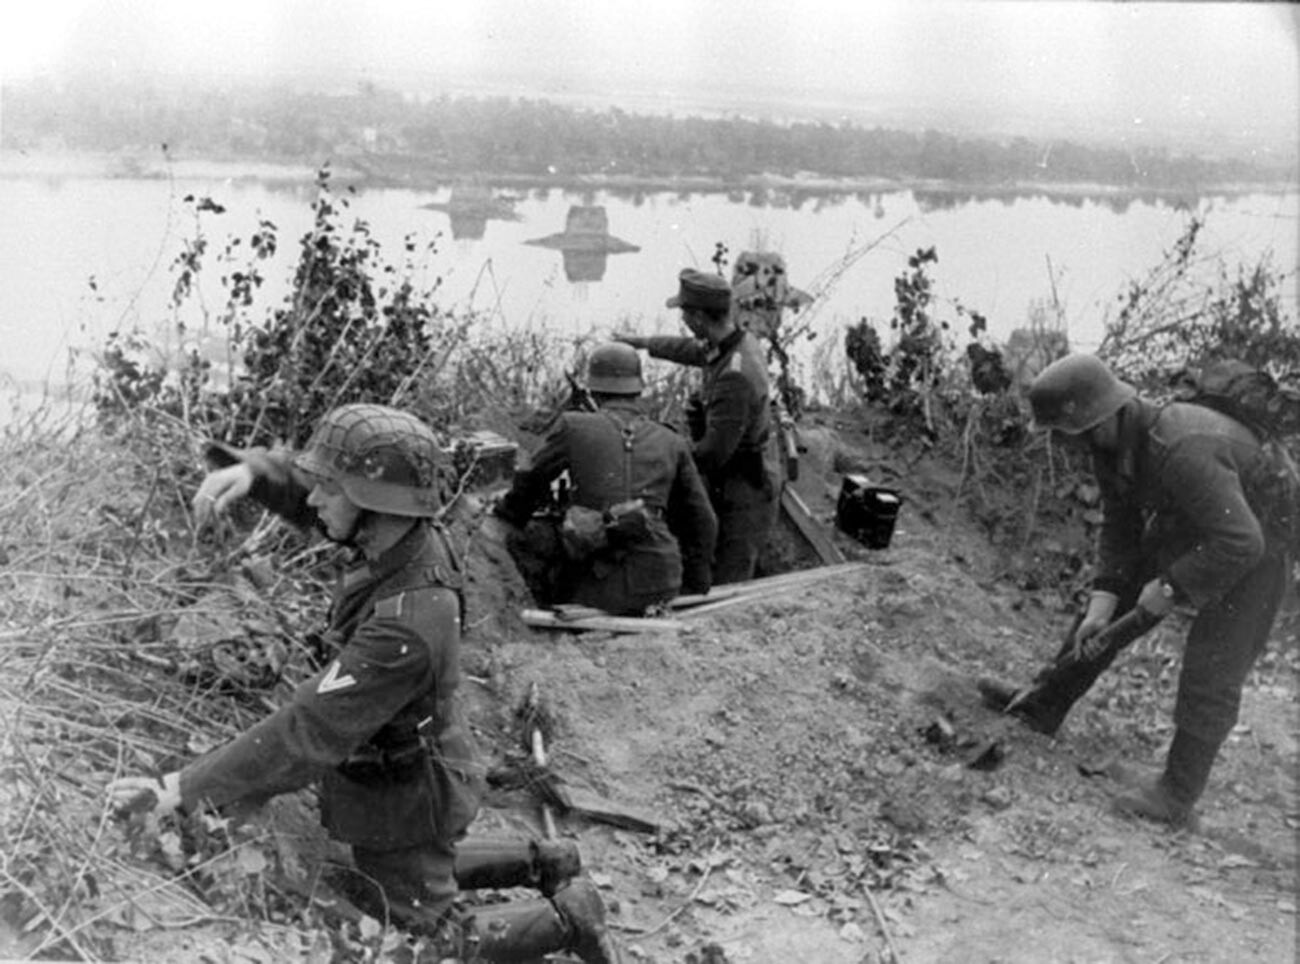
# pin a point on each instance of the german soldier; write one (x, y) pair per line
(639, 528)
(380, 728)
(1181, 526)
(730, 419)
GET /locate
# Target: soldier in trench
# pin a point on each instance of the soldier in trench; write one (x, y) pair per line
(639, 528)
(380, 728)
(1186, 522)
(730, 420)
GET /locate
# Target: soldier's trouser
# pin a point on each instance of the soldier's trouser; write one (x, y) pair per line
(1222, 645)
(745, 514)
(411, 887)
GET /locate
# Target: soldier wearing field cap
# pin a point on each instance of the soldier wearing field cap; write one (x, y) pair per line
(729, 418)
(379, 728)
(640, 528)
(1185, 522)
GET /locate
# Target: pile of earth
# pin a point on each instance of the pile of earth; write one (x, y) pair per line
(825, 783)
(830, 788)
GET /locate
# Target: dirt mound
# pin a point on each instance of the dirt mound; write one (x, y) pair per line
(812, 758)
(828, 787)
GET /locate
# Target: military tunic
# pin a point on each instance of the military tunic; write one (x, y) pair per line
(379, 727)
(734, 449)
(1177, 503)
(615, 455)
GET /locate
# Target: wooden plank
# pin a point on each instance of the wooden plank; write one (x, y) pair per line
(579, 618)
(755, 593)
(545, 619)
(797, 511)
(589, 804)
(798, 577)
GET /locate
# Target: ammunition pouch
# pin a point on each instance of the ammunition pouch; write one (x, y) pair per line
(586, 532)
(582, 533)
(628, 523)
(374, 766)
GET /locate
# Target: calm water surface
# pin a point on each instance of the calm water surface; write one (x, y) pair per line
(994, 255)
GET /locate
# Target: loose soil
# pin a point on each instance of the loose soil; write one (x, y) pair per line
(795, 748)
(809, 755)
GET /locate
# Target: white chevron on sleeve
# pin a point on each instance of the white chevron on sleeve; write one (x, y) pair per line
(333, 681)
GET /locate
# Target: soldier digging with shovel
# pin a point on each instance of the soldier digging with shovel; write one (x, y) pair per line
(1182, 526)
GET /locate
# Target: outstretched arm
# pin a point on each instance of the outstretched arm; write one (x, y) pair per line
(266, 476)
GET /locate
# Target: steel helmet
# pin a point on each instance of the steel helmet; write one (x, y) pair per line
(1076, 393)
(383, 459)
(615, 369)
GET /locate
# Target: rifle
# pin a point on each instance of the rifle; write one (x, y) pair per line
(580, 397)
(787, 442)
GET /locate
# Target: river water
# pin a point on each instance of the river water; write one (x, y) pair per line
(999, 257)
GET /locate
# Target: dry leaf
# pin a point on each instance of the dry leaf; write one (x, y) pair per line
(790, 898)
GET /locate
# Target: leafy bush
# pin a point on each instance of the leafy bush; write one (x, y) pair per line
(1168, 321)
(353, 328)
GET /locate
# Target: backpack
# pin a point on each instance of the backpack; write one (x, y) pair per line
(1271, 410)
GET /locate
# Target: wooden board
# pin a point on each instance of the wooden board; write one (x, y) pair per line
(778, 583)
(583, 618)
(796, 510)
(589, 804)
(546, 619)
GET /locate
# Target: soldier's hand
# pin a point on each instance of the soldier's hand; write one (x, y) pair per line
(1157, 597)
(220, 488)
(138, 795)
(1101, 607)
(627, 338)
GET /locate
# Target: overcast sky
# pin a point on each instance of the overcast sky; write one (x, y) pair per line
(1229, 69)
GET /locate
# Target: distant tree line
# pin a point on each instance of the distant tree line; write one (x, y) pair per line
(537, 138)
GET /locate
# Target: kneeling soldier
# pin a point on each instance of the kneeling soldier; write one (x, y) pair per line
(379, 729)
(640, 528)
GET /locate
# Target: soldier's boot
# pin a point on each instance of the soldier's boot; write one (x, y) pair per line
(1054, 690)
(546, 865)
(1172, 797)
(573, 920)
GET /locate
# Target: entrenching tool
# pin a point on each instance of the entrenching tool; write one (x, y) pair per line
(1104, 646)
(537, 751)
(556, 795)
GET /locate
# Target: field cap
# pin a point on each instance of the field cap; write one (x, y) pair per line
(698, 289)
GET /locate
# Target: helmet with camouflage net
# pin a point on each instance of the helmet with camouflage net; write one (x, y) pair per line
(1076, 393)
(383, 459)
(615, 369)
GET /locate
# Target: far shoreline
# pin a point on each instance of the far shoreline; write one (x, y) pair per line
(386, 173)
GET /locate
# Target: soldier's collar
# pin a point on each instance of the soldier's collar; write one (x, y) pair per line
(728, 343)
(391, 560)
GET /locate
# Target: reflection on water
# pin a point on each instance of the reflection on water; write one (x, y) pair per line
(585, 242)
(844, 248)
(480, 198)
(947, 200)
(471, 206)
